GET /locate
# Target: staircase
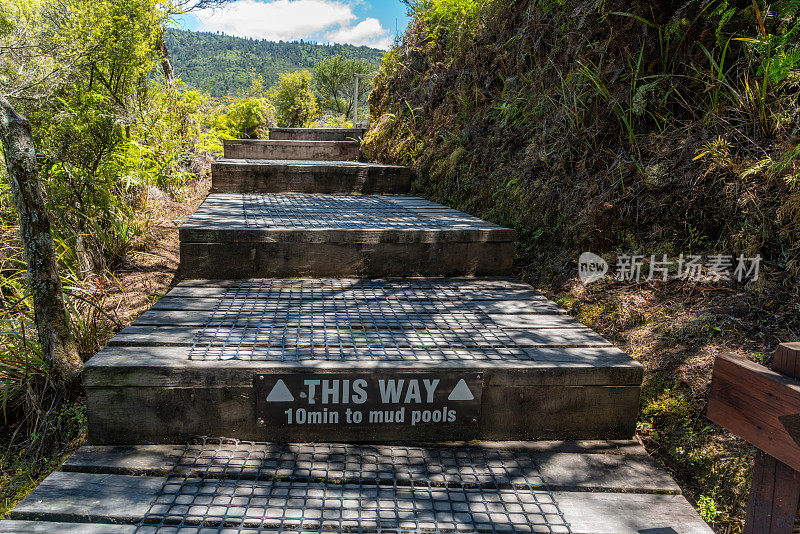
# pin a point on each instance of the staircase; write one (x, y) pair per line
(345, 358)
(291, 150)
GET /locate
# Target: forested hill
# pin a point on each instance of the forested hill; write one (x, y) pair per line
(222, 65)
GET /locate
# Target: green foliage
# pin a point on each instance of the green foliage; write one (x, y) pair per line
(708, 508)
(669, 419)
(198, 58)
(332, 121)
(247, 119)
(247, 116)
(86, 127)
(20, 358)
(107, 130)
(448, 16)
(595, 107)
(294, 99)
(26, 394)
(166, 139)
(335, 83)
(5, 24)
(21, 471)
(104, 127)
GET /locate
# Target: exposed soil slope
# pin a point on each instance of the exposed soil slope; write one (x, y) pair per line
(622, 128)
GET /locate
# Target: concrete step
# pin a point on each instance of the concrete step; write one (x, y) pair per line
(291, 150)
(305, 176)
(359, 361)
(317, 134)
(224, 485)
(263, 235)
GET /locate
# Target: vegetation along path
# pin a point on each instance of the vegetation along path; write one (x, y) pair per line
(342, 349)
(621, 128)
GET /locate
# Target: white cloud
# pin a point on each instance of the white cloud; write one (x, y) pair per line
(290, 20)
(277, 20)
(368, 32)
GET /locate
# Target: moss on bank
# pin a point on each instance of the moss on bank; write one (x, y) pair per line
(622, 128)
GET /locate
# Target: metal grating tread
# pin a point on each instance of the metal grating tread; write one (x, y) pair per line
(248, 486)
(309, 164)
(457, 292)
(248, 324)
(330, 211)
(344, 289)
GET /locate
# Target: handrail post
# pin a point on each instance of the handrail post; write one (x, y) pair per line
(775, 488)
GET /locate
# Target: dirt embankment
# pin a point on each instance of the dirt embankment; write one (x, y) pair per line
(622, 128)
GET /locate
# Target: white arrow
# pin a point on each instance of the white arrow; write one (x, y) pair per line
(461, 392)
(280, 393)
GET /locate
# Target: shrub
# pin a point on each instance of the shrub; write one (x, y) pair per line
(249, 118)
(294, 99)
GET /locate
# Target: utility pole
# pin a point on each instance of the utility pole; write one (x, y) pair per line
(355, 101)
(356, 78)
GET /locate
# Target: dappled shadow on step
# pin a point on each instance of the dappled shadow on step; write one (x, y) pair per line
(354, 488)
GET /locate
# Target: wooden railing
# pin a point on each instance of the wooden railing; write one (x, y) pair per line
(762, 406)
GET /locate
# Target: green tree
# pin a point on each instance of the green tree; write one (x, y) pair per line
(249, 116)
(50, 314)
(37, 58)
(294, 99)
(82, 152)
(334, 77)
(104, 127)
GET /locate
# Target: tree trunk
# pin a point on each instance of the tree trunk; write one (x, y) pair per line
(166, 59)
(50, 314)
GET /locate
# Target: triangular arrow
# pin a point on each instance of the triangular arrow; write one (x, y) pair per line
(280, 393)
(461, 392)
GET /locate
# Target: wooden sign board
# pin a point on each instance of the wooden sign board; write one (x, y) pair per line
(758, 405)
(377, 398)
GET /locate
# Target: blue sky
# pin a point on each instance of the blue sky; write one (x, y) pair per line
(358, 22)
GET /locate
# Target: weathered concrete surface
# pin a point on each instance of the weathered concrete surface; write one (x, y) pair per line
(489, 463)
(321, 487)
(48, 527)
(301, 176)
(544, 375)
(291, 150)
(258, 236)
(317, 134)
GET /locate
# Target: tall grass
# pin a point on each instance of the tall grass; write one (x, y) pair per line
(612, 126)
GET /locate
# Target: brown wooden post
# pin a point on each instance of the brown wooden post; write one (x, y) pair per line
(775, 490)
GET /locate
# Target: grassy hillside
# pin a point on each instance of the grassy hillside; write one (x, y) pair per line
(222, 65)
(622, 128)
